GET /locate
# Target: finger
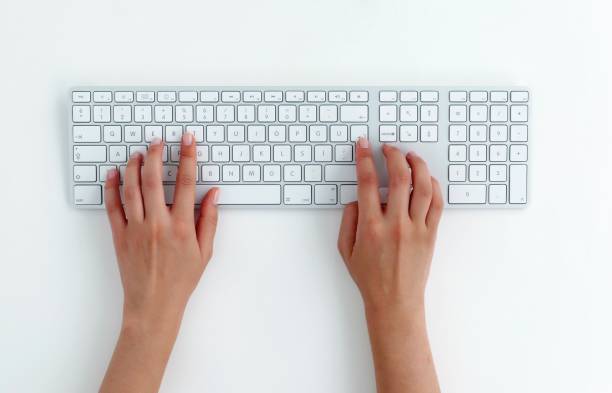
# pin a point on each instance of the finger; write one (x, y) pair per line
(152, 189)
(112, 201)
(184, 195)
(348, 230)
(207, 223)
(367, 181)
(436, 207)
(132, 195)
(400, 179)
(420, 198)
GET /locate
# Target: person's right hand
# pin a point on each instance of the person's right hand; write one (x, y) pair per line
(388, 250)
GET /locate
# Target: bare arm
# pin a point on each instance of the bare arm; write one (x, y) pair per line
(388, 252)
(162, 253)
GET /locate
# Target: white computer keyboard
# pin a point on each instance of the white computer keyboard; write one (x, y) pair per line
(293, 146)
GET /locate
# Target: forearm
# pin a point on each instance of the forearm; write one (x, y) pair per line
(141, 355)
(402, 357)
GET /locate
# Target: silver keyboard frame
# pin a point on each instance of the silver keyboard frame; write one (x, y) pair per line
(434, 153)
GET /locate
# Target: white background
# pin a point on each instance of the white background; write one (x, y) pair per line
(518, 301)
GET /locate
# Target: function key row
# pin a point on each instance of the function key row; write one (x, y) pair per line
(408, 96)
(220, 96)
(484, 96)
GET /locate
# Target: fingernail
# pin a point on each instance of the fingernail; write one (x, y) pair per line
(187, 139)
(136, 154)
(156, 141)
(363, 142)
(411, 153)
(111, 174)
(215, 198)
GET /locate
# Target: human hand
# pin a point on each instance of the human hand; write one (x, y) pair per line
(388, 249)
(161, 251)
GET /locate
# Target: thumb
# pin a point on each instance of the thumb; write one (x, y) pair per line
(207, 223)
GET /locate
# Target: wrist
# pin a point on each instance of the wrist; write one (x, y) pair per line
(395, 314)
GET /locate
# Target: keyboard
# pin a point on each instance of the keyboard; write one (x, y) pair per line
(294, 146)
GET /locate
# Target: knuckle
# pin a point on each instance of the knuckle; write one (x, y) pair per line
(400, 178)
(187, 152)
(182, 229)
(131, 191)
(185, 179)
(150, 180)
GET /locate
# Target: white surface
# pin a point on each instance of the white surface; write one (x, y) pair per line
(518, 301)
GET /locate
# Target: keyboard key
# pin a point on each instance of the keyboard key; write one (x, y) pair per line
(518, 184)
(457, 153)
(457, 133)
(294, 96)
(337, 96)
(328, 113)
(478, 173)
(497, 194)
(499, 96)
(326, 194)
(254, 194)
(86, 134)
(409, 96)
(457, 96)
(429, 133)
(123, 113)
(354, 113)
(429, 96)
(358, 96)
(145, 96)
(273, 96)
(518, 153)
(102, 96)
(292, 173)
(456, 173)
(518, 113)
(499, 113)
(408, 133)
(387, 96)
(518, 133)
(497, 172)
(316, 96)
(166, 96)
(81, 113)
(467, 194)
(251, 96)
(429, 113)
(498, 133)
(387, 113)
(478, 96)
(88, 195)
(84, 173)
(388, 133)
(297, 195)
(340, 173)
(101, 113)
(458, 113)
(209, 96)
(89, 154)
(188, 96)
(81, 96)
(408, 113)
(519, 96)
(478, 113)
(124, 96)
(230, 96)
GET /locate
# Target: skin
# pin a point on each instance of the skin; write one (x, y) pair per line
(162, 253)
(388, 252)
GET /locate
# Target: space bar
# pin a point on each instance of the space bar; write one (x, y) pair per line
(236, 194)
